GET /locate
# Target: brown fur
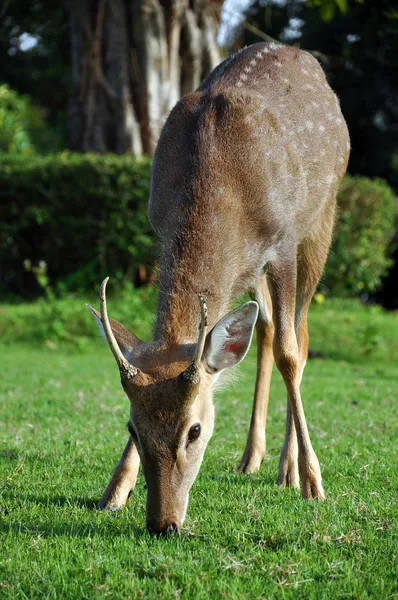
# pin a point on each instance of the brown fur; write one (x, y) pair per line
(243, 196)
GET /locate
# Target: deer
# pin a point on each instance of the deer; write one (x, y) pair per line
(242, 199)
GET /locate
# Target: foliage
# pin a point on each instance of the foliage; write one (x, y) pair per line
(327, 8)
(85, 216)
(20, 122)
(365, 226)
(64, 429)
(35, 60)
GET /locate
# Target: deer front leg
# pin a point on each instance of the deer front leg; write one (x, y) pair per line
(123, 479)
(256, 441)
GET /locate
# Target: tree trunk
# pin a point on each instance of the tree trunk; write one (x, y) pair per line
(132, 61)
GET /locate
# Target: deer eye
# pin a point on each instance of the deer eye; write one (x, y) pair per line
(194, 432)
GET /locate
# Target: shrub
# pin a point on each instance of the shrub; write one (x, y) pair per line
(85, 216)
(20, 122)
(365, 225)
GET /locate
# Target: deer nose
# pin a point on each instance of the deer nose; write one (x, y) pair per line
(165, 528)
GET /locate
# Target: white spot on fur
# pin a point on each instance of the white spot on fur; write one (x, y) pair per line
(286, 80)
(321, 128)
(259, 55)
(304, 71)
(248, 69)
(243, 76)
(253, 63)
(239, 83)
(309, 125)
(265, 49)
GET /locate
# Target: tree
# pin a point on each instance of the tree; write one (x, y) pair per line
(131, 62)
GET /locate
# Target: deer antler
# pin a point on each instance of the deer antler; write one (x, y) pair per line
(191, 373)
(127, 370)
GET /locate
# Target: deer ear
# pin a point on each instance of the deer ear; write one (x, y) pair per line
(229, 340)
(126, 340)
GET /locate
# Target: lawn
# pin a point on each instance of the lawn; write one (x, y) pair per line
(62, 429)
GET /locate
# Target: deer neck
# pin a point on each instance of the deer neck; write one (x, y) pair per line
(187, 270)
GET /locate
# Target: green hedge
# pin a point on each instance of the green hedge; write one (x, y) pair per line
(85, 216)
(366, 222)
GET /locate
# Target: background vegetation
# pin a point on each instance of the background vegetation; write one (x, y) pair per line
(84, 216)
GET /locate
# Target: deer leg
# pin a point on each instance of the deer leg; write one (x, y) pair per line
(123, 479)
(312, 256)
(288, 464)
(288, 360)
(256, 442)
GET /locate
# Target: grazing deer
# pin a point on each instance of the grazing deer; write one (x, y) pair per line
(243, 198)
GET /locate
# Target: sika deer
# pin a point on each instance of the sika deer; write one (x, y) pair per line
(243, 197)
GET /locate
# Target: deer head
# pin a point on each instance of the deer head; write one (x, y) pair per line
(170, 388)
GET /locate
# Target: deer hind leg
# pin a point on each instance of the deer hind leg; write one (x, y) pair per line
(289, 361)
(256, 442)
(288, 463)
(312, 255)
(123, 479)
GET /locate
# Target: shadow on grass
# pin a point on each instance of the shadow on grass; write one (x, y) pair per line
(73, 530)
(258, 479)
(61, 500)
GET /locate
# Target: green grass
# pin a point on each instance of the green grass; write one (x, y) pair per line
(63, 417)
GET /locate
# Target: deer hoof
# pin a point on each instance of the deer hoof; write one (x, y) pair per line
(112, 502)
(311, 480)
(251, 462)
(111, 505)
(313, 489)
(289, 474)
